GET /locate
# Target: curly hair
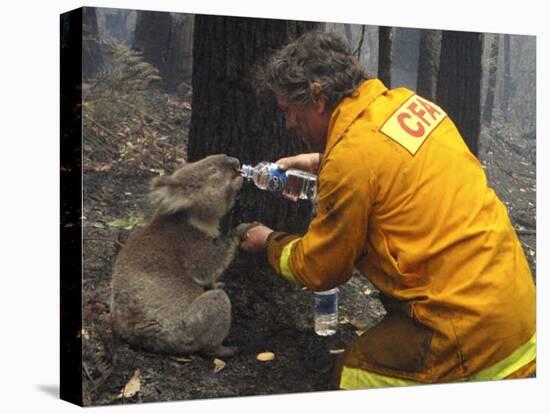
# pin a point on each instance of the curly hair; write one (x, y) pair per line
(322, 57)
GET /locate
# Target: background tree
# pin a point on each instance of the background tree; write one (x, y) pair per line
(493, 42)
(385, 53)
(428, 63)
(347, 31)
(406, 44)
(92, 57)
(229, 118)
(508, 91)
(459, 82)
(164, 39)
(179, 60)
(152, 35)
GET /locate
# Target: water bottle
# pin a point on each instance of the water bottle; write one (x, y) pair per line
(326, 312)
(294, 183)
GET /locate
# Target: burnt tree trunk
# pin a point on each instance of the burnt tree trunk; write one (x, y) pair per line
(491, 79)
(428, 63)
(152, 38)
(459, 83)
(508, 91)
(179, 58)
(385, 52)
(92, 59)
(347, 31)
(229, 118)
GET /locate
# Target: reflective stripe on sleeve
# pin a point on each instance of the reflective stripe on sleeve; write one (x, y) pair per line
(284, 266)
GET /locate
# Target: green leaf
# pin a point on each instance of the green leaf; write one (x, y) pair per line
(127, 223)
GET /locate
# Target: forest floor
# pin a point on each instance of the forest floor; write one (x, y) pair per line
(123, 151)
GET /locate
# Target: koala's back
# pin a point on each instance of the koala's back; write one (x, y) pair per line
(152, 280)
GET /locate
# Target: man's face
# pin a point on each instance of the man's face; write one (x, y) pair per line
(309, 121)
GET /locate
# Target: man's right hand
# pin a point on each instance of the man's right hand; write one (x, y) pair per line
(306, 162)
(255, 239)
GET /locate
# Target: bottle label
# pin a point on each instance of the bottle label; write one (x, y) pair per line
(277, 179)
(326, 303)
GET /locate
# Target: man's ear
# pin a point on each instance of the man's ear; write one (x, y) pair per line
(319, 99)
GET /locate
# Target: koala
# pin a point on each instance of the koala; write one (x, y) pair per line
(165, 294)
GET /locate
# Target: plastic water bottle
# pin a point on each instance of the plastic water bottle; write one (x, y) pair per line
(326, 312)
(294, 183)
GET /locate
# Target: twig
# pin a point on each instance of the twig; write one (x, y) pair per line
(526, 232)
(104, 129)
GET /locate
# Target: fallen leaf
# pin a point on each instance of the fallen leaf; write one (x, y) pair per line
(343, 320)
(337, 351)
(132, 387)
(265, 356)
(359, 324)
(128, 223)
(180, 359)
(218, 365)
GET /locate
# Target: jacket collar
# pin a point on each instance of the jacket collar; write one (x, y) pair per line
(350, 108)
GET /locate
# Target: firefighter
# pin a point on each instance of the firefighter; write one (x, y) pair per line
(403, 200)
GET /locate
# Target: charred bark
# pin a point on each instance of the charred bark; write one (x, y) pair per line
(459, 83)
(491, 79)
(428, 63)
(385, 52)
(229, 118)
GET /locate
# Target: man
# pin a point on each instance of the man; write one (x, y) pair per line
(402, 199)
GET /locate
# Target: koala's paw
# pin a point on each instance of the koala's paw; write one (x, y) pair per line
(242, 228)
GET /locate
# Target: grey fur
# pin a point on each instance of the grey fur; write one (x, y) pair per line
(165, 294)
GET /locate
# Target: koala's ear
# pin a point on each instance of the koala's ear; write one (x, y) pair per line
(168, 196)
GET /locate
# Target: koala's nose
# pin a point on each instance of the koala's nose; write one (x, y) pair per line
(233, 162)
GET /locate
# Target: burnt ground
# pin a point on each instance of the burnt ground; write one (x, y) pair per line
(268, 314)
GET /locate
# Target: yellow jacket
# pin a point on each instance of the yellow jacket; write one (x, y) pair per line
(401, 198)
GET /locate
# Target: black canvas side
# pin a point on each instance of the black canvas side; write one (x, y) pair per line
(71, 207)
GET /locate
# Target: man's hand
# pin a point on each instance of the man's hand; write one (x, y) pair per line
(255, 239)
(305, 162)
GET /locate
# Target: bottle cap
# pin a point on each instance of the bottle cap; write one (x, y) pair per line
(246, 171)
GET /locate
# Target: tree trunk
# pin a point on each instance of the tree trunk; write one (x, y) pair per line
(152, 38)
(92, 59)
(228, 118)
(508, 92)
(349, 36)
(491, 79)
(406, 43)
(385, 52)
(428, 63)
(459, 83)
(179, 58)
